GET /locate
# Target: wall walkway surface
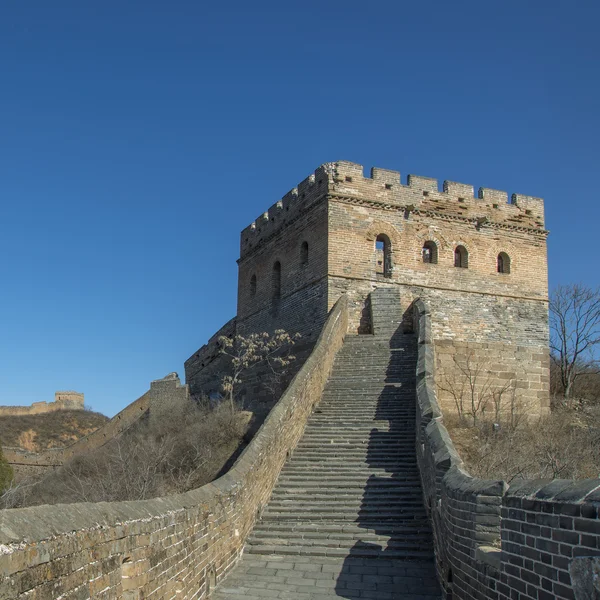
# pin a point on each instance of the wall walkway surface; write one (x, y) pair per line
(172, 547)
(533, 540)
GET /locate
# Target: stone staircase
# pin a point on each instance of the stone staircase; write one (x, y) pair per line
(352, 485)
(346, 518)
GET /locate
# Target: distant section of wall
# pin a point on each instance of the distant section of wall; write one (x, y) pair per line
(169, 547)
(494, 542)
(62, 401)
(164, 395)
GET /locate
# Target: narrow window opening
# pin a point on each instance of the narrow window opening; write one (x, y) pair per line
(349, 179)
(304, 253)
(425, 194)
(277, 281)
(503, 263)
(388, 186)
(430, 254)
(383, 256)
(461, 257)
(253, 285)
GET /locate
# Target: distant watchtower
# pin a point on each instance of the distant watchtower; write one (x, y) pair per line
(479, 262)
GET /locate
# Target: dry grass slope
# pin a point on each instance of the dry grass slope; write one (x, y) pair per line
(50, 430)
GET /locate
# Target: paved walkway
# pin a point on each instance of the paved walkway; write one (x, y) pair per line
(312, 578)
(346, 518)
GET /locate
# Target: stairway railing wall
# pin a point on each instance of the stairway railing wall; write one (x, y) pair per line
(171, 547)
(537, 539)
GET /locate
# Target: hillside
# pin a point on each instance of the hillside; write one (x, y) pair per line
(49, 430)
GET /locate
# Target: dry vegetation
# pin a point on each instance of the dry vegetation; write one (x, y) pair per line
(490, 428)
(48, 430)
(563, 445)
(167, 455)
(151, 459)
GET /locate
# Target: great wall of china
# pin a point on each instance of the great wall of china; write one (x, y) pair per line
(366, 269)
(62, 401)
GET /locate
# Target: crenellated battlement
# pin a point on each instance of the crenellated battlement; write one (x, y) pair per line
(346, 180)
(314, 187)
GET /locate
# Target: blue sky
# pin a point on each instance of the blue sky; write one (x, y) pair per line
(138, 138)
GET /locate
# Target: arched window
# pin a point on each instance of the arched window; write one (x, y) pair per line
(276, 281)
(253, 285)
(503, 263)
(304, 253)
(430, 252)
(383, 255)
(461, 257)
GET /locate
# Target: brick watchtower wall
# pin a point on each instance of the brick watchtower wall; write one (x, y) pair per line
(321, 240)
(283, 263)
(496, 320)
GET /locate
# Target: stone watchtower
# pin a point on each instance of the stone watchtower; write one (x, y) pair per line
(478, 262)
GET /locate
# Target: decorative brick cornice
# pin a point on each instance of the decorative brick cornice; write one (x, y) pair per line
(354, 201)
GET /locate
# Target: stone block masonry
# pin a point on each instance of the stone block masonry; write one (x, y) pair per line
(174, 547)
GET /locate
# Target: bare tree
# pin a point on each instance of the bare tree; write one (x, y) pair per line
(475, 389)
(469, 386)
(574, 333)
(270, 350)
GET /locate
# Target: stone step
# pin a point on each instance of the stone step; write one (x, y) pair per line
(345, 454)
(365, 495)
(333, 481)
(413, 528)
(397, 515)
(383, 444)
(408, 537)
(347, 502)
(363, 471)
(373, 436)
(351, 427)
(344, 462)
(358, 552)
(372, 542)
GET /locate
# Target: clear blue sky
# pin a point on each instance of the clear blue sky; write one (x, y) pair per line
(138, 138)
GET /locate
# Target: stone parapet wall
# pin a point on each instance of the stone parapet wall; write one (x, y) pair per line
(173, 547)
(493, 541)
(551, 540)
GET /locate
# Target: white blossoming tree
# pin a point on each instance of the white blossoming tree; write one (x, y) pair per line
(272, 351)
